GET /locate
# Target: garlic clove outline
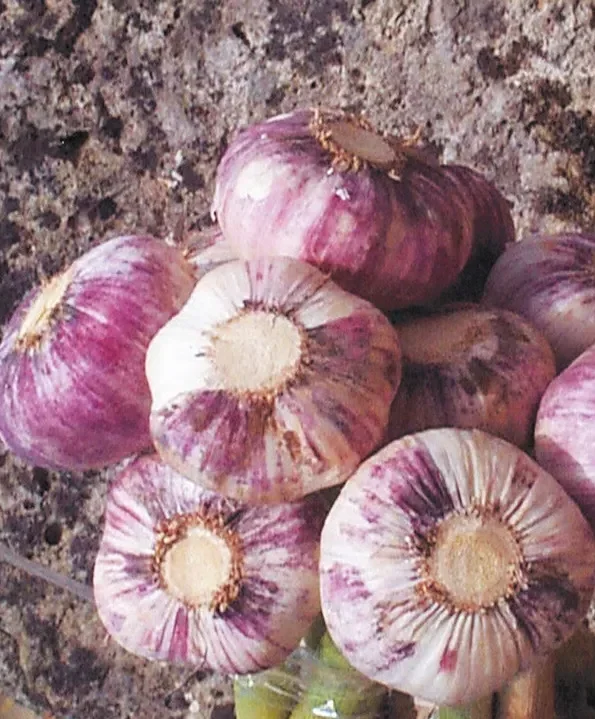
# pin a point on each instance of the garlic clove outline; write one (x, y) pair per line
(75, 347)
(549, 280)
(450, 562)
(271, 382)
(323, 186)
(187, 576)
(471, 367)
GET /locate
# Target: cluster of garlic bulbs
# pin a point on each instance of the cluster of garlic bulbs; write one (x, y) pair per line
(330, 338)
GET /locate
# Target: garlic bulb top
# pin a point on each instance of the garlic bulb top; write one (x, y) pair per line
(451, 561)
(324, 187)
(73, 392)
(271, 382)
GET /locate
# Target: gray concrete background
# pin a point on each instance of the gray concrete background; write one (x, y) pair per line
(113, 114)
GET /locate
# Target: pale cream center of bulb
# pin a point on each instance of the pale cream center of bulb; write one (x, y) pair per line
(36, 321)
(257, 351)
(429, 340)
(365, 144)
(197, 566)
(475, 559)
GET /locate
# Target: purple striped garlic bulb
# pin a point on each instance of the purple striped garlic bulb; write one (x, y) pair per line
(271, 382)
(73, 391)
(323, 186)
(187, 576)
(471, 367)
(565, 432)
(451, 561)
(550, 281)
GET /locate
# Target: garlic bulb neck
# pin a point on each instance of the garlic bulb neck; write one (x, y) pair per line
(43, 310)
(352, 142)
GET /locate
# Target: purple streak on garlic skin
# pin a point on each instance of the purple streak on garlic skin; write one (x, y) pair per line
(396, 242)
(550, 280)
(277, 580)
(404, 594)
(66, 379)
(470, 367)
(426, 501)
(565, 434)
(305, 431)
(549, 595)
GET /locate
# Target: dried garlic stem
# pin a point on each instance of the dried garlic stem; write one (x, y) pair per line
(530, 695)
(363, 143)
(481, 709)
(83, 591)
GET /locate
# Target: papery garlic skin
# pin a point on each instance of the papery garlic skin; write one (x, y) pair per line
(449, 562)
(275, 581)
(549, 280)
(565, 433)
(389, 227)
(207, 249)
(73, 394)
(493, 231)
(271, 382)
(470, 367)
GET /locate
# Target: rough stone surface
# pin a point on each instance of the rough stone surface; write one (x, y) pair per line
(113, 114)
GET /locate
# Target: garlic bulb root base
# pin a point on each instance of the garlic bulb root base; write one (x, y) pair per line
(199, 561)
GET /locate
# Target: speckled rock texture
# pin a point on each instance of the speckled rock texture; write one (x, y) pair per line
(113, 114)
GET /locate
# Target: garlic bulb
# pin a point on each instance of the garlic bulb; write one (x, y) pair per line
(565, 433)
(451, 561)
(493, 230)
(271, 382)
(73, 393)
(187, 576)
(549, 280)
(470, 367)
(324, 187)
